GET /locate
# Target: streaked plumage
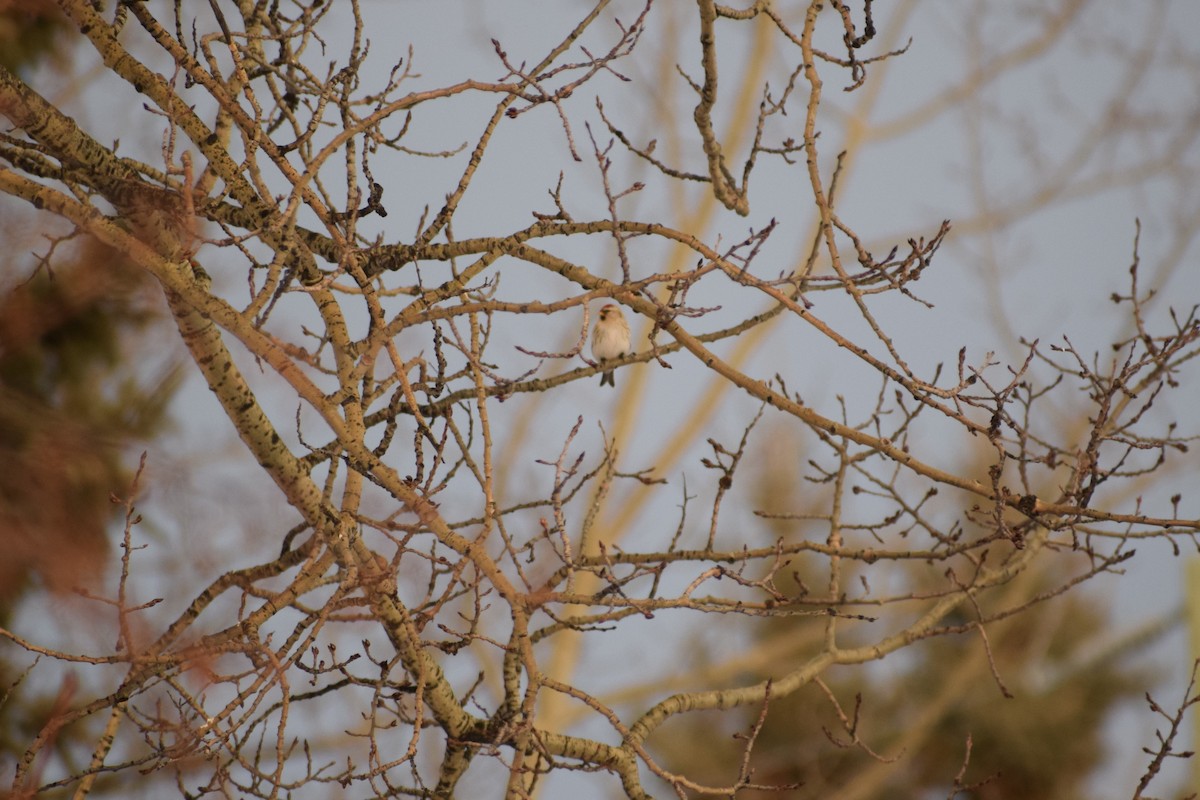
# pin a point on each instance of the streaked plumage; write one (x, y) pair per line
(610, 339)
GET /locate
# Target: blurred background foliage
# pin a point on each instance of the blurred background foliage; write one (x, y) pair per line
(904, 727)
(78, 393)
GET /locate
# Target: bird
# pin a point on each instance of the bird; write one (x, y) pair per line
(610, 339)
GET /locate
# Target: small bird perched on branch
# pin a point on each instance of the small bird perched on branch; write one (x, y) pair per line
(610, 339)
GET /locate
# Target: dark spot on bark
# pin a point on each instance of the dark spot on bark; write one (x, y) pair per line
(1028, 505)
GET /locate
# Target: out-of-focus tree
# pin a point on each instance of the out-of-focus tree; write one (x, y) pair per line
(387, 282)
(29, 31)
(76, 391)
(70, 398)
(1030, 706)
